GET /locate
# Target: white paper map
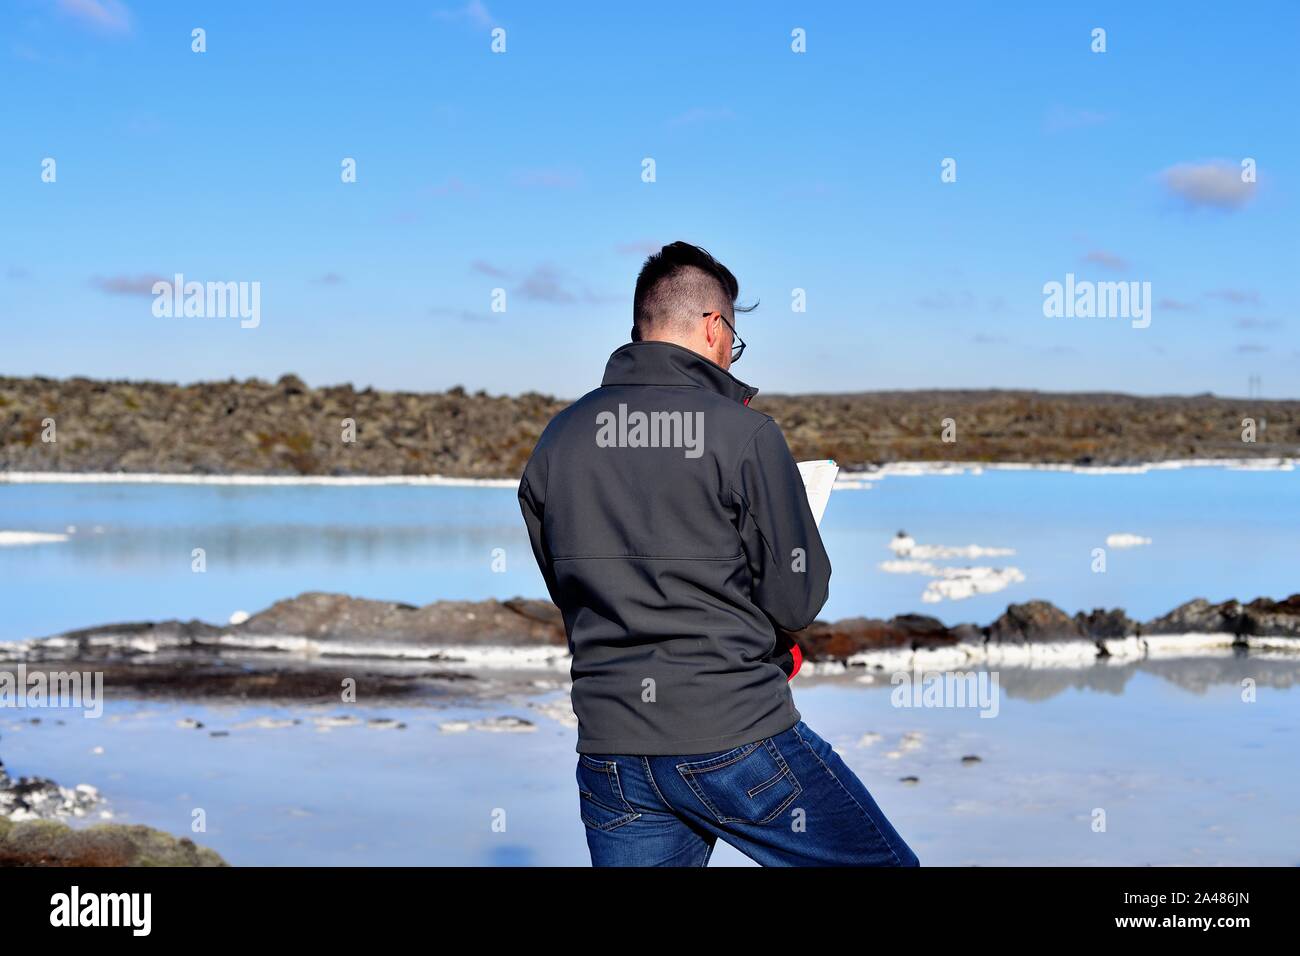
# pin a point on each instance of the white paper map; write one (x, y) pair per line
(818, 479)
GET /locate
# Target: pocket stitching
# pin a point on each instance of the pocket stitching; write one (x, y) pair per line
(785, 768)
(610, 769)
(754, 791)
(689, 771)
(720, 761)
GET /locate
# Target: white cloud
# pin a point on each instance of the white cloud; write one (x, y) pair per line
(1216, 183)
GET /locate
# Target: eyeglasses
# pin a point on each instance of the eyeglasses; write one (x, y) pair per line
(737, 343)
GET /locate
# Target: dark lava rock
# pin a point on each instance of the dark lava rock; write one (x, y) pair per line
(919, 629)
(1102, 624)
(291, 385)
(39, 797)
(1199, 617)
(1261, 616)
(844, 638)
(1267, 617)
(338, 617)
(89, 644)
(1034, 621)
(543, 612)
(968, 634)
(443, 625)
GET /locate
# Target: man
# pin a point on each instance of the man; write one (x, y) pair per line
(673, 531)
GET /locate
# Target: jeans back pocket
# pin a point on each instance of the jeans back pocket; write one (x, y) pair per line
(600, 795)
(750, 784)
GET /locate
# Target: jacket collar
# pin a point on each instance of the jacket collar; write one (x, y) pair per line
(663, 363)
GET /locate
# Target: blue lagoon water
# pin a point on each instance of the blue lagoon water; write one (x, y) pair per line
(1187, 769)
(1215, 533)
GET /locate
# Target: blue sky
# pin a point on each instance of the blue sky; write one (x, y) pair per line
(522, 170)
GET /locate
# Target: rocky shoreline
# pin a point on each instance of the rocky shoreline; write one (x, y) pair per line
(302, 649)
(32, 832)
(288, 428)
(466, 637)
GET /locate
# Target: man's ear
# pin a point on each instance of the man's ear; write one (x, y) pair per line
(712, 328)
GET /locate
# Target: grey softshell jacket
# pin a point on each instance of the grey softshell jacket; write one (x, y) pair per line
(672, 543)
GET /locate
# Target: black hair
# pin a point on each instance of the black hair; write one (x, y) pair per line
(678, 280)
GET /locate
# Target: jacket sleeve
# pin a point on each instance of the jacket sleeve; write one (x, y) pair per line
(786, 654)
(790, 568)
(531, 506)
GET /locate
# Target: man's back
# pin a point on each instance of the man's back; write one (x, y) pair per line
(672, 528)
(670, 523)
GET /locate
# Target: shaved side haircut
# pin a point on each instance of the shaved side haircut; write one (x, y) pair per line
(677, 285)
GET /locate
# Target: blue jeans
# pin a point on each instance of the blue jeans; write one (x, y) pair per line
(787, 800)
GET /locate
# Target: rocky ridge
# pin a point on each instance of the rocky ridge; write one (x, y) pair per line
(287, 428)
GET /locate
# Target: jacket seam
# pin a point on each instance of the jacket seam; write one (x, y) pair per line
(731, 479)
(762, 535)
(524, 483)
(523, 479)
(759, 526)
(642, 557)
(768, 545)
